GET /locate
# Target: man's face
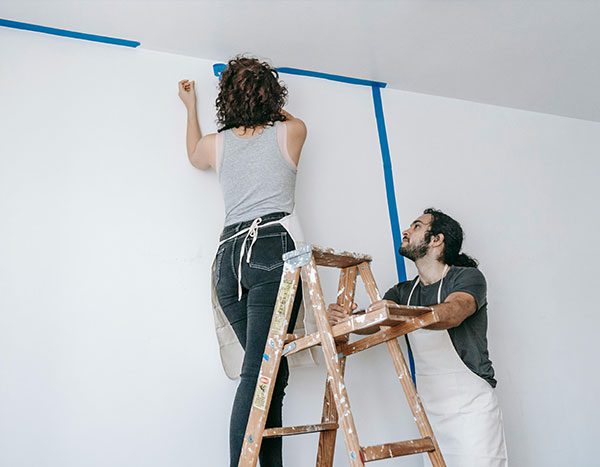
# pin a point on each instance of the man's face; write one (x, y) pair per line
(414, 245)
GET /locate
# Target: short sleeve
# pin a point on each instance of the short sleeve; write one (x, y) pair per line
(392, 294)
(399, 293)
(471, 281)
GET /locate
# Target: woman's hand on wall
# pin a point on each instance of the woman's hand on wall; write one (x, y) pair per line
(187, 93)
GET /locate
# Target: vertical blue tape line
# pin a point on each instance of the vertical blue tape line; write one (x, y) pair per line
(391, 201)
(389, 183)
(65, 33)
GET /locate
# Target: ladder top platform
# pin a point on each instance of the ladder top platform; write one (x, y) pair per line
(328, 257)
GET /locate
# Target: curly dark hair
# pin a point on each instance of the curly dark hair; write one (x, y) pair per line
(250, 95)
(453, 239)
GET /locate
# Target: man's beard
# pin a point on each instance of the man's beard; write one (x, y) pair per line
(414, 252)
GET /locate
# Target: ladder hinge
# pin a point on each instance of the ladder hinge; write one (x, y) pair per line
(298, 257)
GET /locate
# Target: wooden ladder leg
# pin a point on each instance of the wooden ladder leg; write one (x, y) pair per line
(335, 378)
(366, 275)
(414, 402)
(345, 296)
(270, 366)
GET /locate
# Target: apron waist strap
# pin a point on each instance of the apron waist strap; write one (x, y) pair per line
(252, 234)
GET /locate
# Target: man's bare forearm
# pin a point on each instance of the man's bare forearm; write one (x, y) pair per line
(451, 314)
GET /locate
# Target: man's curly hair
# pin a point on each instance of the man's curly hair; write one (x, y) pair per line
(250, 95)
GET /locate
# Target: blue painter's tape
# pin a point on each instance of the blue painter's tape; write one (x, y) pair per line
(389, 183)
(219, 67)
(411, 359)
(341, 79)
(391, 201)
(265, 357)
(63, 32)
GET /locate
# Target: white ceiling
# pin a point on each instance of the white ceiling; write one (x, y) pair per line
(540, 55)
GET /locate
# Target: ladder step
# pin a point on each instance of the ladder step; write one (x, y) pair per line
(324, 257)
(338, 259)
(299, 430)
(384, 316)
(401, 448)
(291, 337)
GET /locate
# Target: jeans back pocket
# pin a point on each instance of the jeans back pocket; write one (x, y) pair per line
(268, 250)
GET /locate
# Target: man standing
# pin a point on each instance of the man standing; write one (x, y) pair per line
(454, 374)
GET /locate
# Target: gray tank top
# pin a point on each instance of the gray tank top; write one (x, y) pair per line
(256, 176)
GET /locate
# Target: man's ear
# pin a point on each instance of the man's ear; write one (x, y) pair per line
(437, 240)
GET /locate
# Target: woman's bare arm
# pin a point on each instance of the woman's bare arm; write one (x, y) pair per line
(296, 135)
(200, 149)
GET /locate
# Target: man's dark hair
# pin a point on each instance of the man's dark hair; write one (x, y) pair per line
(453, 238)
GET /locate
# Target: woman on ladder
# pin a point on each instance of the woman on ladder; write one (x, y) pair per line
(255, 154)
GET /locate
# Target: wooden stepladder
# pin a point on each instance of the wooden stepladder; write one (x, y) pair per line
(391, 322)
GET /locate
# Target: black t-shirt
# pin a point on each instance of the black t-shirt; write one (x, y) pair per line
(469, 337)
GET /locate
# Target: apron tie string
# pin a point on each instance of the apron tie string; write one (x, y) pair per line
(253, 235)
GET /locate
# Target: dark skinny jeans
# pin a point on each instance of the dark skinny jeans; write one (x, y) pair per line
(250, 318)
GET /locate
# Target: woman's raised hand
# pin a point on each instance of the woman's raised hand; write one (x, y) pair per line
(187, 92)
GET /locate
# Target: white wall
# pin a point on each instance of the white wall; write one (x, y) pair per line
(525, 187)
(107, 351)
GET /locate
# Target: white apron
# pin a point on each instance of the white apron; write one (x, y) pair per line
(232, 352)
(461, 406)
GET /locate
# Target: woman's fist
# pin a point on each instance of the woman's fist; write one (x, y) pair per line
(187, 92)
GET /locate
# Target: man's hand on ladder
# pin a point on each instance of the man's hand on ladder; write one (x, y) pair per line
(338, 313)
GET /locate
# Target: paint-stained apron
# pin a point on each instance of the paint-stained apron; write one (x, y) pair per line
(461, 406)
(231, 351)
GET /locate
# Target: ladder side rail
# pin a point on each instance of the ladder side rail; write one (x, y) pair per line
(263, 393)
(310, 279)
(414, 401)
(326, 450)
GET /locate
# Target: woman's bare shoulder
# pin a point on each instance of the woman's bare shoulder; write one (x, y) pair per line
(296, 128)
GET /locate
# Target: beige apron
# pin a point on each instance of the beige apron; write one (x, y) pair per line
(461, 406)
(232, 353)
